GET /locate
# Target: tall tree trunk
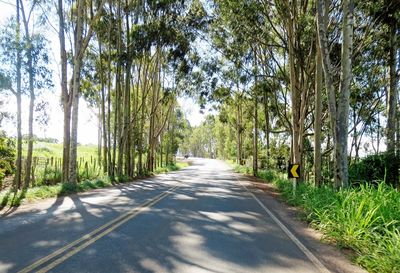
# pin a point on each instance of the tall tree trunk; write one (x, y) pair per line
(103, 112)
(111, 163)
(378, 132)
(392, 165)
(127, 103)
(267, 126)
(73, 172)
(344, 95)
(28, 163)
(127, 127)
(238, 140)
(18, 174)
(398, 132)
(356, 146)
(120, 94)
(318, 119)
(339, 116)
(116, 119)
(255, 138)
(143, 112)
(150, 152)
(135, 122)
(99, 134)
(294, 89)
(65, 96)
(67, 105)
(322, 12)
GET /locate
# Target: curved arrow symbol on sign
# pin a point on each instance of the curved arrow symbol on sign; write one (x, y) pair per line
(294, 171)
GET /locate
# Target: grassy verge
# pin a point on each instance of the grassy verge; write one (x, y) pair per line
(169, 168)
(365, 219)
(13, 199)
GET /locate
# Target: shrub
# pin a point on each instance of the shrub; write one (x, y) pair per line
(7, 156)
(268, 175)
(370, 168)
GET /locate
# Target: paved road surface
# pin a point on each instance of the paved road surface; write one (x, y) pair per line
(200, 219)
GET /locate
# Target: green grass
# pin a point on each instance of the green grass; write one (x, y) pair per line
(365, 219)
(172, 167)
(47, 150)
(243, 169)
(48, 174)
(182, 164)
(12, 199)
(48, 158)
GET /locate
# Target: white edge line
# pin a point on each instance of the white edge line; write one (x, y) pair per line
(321, 267)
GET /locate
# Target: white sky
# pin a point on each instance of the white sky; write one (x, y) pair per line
(88, 123)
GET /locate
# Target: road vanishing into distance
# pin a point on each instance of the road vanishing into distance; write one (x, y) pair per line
(200, 219)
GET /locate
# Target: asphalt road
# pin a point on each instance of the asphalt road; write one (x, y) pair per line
(200, 219)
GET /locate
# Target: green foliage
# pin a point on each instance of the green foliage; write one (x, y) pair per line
(268, 175)
(243, 169)
(171, 167)
(12, 198)
(52, 149)
(370, 168)
(177, 133)
(47, 163)
(7, 157)
(202, 140)
(362, 219)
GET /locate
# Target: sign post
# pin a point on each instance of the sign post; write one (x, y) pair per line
(294, 173)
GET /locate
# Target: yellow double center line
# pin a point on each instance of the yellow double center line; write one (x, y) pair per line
(88, 239)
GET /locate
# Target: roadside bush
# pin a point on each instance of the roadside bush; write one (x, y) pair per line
(242, 169)
(368, 169)
(7, 156)
(268, 175)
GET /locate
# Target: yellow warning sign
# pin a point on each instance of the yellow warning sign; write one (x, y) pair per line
(294, 171)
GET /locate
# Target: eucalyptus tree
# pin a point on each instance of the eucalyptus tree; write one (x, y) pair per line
(25, 58)
(367, 91)
(36, 67)
(387, 14)
(338, 106)
(140, 48)
(81, 21)
(235, 39)
(66, 98)
(11, 58)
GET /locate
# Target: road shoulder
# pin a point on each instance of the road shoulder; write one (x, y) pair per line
(333, 258)
(39, 205)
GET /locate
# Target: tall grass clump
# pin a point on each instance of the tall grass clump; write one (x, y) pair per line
(242, 169)
(365, 219)
(268, 175)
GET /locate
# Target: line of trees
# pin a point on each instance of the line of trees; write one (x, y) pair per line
(126, 58)
(320, 76)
